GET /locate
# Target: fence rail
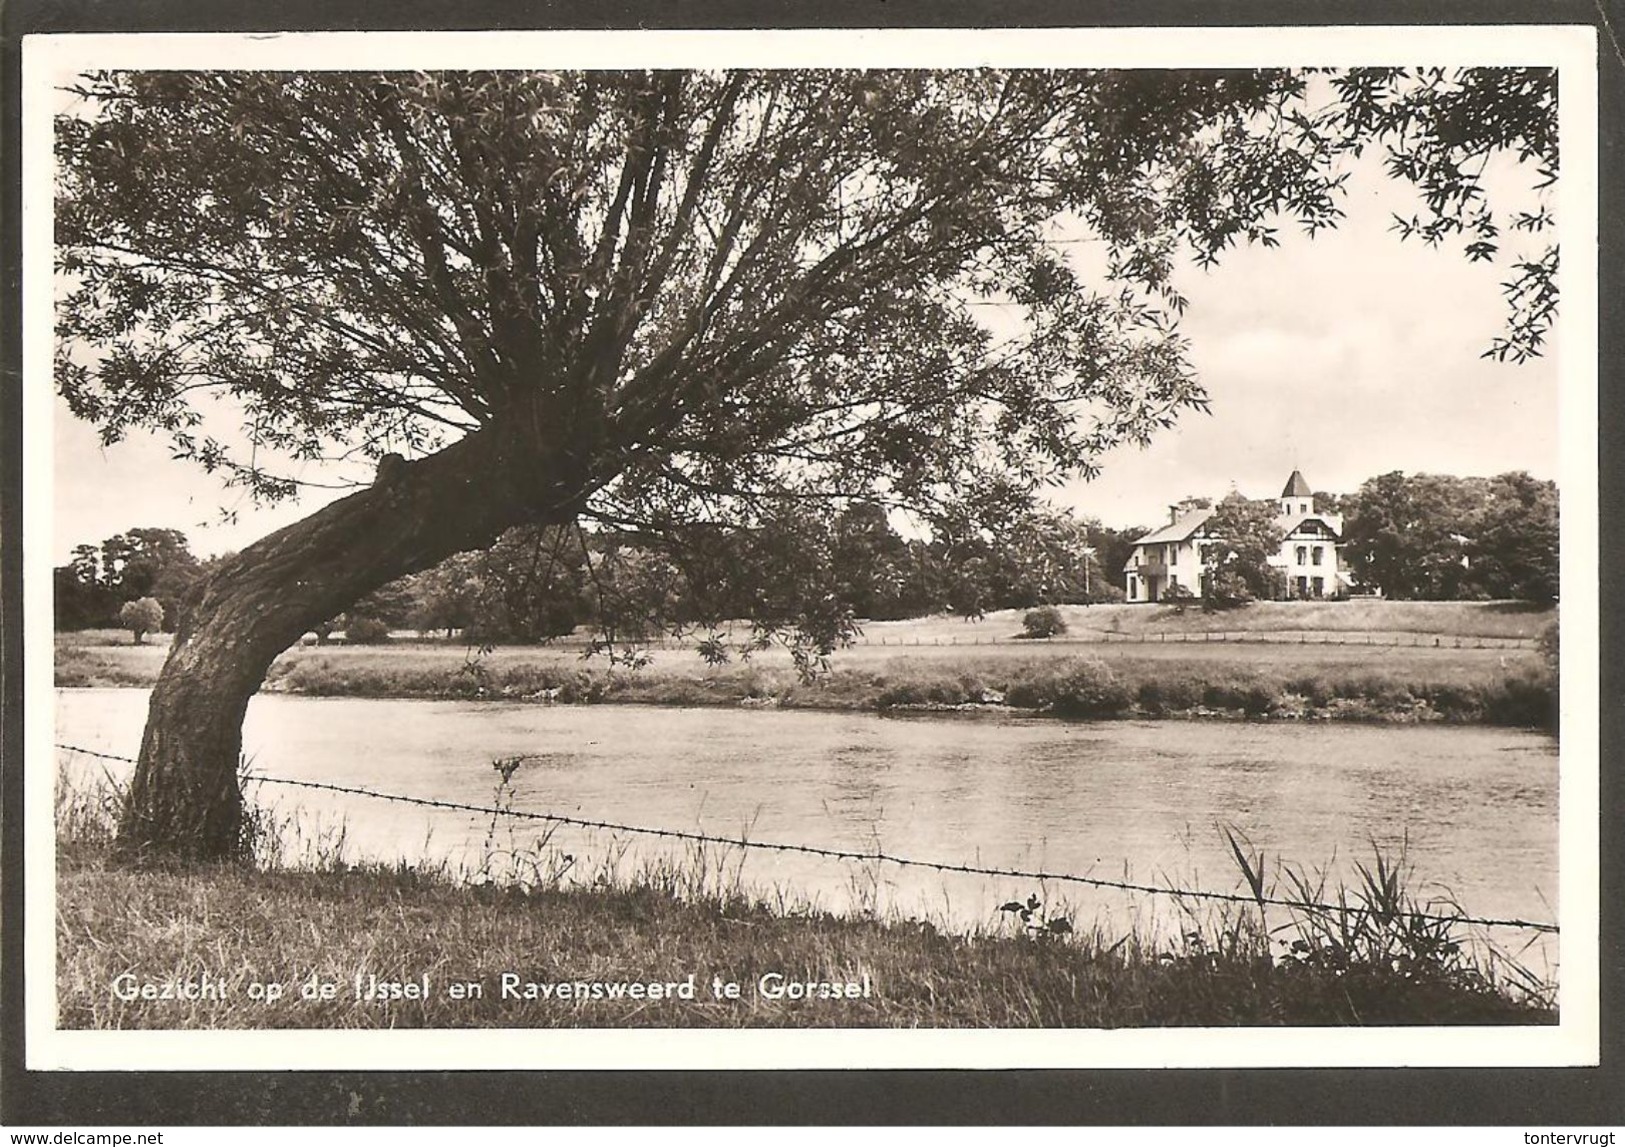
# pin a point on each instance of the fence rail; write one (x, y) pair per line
(847, 854)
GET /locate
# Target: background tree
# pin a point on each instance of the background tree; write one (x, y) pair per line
(657, 300)
(449, 597)
(1514, 548)
(1113, 547)
(141, 617)
(1438, 537)
(1326, 502)
(150, 562)
(1376, 544)
(81, 599)
(1237, 560)
(386, 608)
(871, 560)
(142, 562)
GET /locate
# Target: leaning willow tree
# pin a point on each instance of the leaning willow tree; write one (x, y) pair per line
(675, 302)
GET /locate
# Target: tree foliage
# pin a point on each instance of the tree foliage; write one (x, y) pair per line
(141, 617)
(142, 562)
(1439, 129)
(1437, 537)
(720, 288)
(1245, 536)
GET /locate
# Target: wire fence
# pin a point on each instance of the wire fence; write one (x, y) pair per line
(1382, 640)
(1214, 636)
(875, 855)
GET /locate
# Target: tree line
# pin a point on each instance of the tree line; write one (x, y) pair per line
(1435, 537)
(536, 583)
(1410, 537)
(153, 563)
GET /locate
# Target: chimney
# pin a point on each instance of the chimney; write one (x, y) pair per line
(1173, 514)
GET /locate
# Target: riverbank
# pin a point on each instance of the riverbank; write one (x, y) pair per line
(363, 947)
(1265, 680)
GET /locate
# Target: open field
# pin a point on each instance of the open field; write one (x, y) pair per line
(1478, 665)
(1384, 621)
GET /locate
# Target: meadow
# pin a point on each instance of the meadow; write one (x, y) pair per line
(1358, 660)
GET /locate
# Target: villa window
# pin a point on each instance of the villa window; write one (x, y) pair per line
(1317, 555)
(1319, 586)
(1302, 555)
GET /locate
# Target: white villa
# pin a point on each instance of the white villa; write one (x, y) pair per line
(1172, 555)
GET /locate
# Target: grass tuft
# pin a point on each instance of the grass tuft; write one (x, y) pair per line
(301, 916)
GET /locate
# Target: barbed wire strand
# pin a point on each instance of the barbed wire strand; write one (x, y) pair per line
(845, 854)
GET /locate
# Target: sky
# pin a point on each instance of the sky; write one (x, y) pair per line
(1345, 357)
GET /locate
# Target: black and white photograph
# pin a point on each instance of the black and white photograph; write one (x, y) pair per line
(812, 549)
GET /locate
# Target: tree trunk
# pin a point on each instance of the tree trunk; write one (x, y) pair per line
(184, 800)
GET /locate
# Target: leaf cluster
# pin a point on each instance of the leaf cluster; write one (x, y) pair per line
(685, 303)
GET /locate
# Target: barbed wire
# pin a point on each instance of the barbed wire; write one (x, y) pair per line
(847, 854)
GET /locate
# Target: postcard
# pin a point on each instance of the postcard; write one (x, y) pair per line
(801, 549)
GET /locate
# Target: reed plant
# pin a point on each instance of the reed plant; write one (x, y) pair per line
(300, 910)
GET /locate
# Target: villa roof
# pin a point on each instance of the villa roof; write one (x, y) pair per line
(1289, 523)
(1181, 529)
(1296, 487)
(1177, 530)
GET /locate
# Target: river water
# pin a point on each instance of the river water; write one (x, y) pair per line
(1474, 809)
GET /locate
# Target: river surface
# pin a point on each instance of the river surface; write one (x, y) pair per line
(1474, 809)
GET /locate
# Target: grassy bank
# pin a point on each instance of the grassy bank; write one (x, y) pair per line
(1452, 673)
(120, 929)
(1105, 685)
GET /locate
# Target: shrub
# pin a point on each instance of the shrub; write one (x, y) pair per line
(365, 631)
(1045, 621)
(1525, 698)
(1088, 688)
(1547, 646)
(1029, 692)
(1035, 685)
(1378, 690)
(925, 688)
(1315, 689)
(1169, 694)
(1253, 697)
(141, 617)
(1226, 589)
(1179, 597)
(1456, 702)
